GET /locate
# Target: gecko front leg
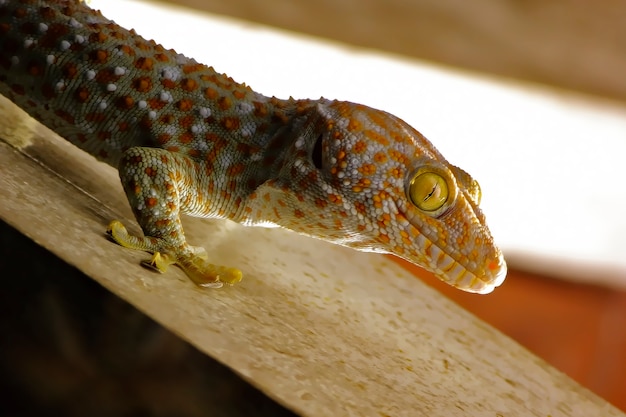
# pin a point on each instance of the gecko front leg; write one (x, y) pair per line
(159, 186)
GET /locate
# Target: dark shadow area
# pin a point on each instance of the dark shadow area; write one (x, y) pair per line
(69, 347)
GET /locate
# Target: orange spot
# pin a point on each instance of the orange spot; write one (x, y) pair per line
(377, 137)
(140, 44)
(383, 238)
(235, 169)
(151, 172)
(380, 158)
(125, 102)
(161, 57)
(144, 63)
(359, 147)
(397, 156)
(395, 172)
(189, 68)
(163, 223)
(360, 207)
(70, 70)
(298, 213)
(225, 103)
(188, 84)
(260, 109)
(142, 84)
(82, 94)
(186, 121)
(99, 56)
(151, 202)
(354, 124)
(163, 138)
(321, 203)
(230, 123)
(335, 199)
(367, 169)
(210, 93)
(35, 69)
(98, 37)
(185, 138)
(127, 50)
(184, 104)
(156, 104)
(167, 118)
(169, 84)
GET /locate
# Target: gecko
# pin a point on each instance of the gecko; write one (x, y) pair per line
(189, 140)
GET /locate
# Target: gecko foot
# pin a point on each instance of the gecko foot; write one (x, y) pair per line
(192, 260)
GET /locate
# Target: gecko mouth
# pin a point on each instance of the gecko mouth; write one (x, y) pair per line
(488, 274)
(485, 281)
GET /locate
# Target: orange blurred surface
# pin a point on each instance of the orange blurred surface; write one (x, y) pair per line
(580, 329)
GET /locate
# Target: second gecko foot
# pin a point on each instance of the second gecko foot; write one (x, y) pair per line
(192, 260)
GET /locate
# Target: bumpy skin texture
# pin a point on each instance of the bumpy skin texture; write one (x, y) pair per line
(187, 139)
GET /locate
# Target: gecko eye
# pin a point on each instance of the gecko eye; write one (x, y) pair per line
(317, 153)
(429, 191)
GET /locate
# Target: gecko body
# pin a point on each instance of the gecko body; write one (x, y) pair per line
(187, 139)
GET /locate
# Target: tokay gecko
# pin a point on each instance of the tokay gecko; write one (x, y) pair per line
(187, 139)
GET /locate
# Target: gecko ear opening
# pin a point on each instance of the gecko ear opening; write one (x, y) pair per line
(316, 155)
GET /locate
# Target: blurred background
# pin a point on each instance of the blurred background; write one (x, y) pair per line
(102, 357)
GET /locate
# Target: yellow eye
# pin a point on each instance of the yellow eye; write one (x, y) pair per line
(428, 191)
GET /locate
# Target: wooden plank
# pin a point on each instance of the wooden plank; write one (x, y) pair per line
(563, 43)
(322, 329)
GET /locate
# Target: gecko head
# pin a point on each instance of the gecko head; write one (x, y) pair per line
(365, 179)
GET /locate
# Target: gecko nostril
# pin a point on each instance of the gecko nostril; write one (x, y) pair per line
(316, 156)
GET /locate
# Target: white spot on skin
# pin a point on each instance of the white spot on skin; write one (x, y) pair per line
(299, 143)
(152, 114)
(119, 71)
(28, 42)
(90, 74)
(166, 96)
(102, 105)
(248, 130)
(244, 108)
(15, 60)
(171, 73)
(75, 23)
(43, 27)
(111, 87)
(142, 104)
(79, 39)
(204, 111)
(60, 86)
(50, 59)
(65, 45)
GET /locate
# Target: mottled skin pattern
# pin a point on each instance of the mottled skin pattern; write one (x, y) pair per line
(187, 139)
